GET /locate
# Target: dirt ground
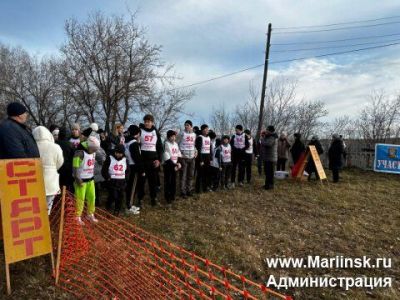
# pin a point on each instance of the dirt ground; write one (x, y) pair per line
(240, 228)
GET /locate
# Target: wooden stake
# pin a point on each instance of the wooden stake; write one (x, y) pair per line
(133, 188)
(60, 235)
(8, 279)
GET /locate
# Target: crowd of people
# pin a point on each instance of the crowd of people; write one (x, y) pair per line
(87, 161)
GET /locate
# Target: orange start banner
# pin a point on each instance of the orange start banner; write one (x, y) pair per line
(26, 230)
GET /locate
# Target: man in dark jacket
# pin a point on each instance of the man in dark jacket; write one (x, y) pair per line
(298, 148)
(65, 171)
(335, 153)
(16, 140)
(269, 155)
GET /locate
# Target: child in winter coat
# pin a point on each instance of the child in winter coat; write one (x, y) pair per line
(239, 144)
(215, 163)
(203, 146)
(52, 159)
(83, 170)
(226, 162)
(171, 156)
(136, 170)
(115, 171)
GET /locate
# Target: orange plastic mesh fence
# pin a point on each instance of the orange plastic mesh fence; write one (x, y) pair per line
(115, 259)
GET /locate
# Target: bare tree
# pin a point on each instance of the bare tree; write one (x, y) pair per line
(281, 103)
(307, 118)
(284, 110)
(378, 121)
(109, 63)
(167, 105)
(247, 114)
(221, 121)
(343, 125)
(32, 81)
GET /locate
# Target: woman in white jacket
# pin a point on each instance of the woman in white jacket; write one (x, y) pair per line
(52, 159)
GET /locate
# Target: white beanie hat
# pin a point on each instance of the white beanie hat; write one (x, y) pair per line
(93, 143)
(94, 127)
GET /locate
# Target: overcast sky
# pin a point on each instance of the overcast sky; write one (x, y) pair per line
(205, 39)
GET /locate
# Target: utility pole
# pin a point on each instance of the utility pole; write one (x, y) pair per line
(264, 84)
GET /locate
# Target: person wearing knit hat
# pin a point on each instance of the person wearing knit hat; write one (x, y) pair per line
(188, 160)
(115, 172)
(283, 151)
(15, 109)
(239, 144)
(94, 127)
(336, 154)
(136, 170)
(269, 144)
(83, 165)
(87, 132)
(298, 148)
(171, 165)
(16, 140)
(75, 139)
(203, 146)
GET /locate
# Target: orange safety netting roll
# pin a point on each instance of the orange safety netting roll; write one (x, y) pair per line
(115, 259)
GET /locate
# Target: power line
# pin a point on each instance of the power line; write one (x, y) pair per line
(334, 41)
(330, 47)
(216, 78)
(281, 61)
(335, 29)
(335, 53)
(336, 24)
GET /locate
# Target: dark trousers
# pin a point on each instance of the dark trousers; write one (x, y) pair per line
(116, 193)
(237, 163)
(225, 174)
(151, 177)
(269, 168)
(215, 178)
(335, 174)
(129, 186)
(259, 165)
(248, 161)
(281, 165)
(310, 169)
(97, 189)
(169, 182)
(203, 176)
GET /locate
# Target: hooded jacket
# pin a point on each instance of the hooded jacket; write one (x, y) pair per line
(68, 152)
(16, 141)
(51, 157)
(270, 147)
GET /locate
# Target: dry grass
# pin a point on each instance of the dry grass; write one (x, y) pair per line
(240, 228)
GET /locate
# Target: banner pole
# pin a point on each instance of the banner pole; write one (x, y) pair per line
(132, 195)
(8, 279)
(60, 234)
